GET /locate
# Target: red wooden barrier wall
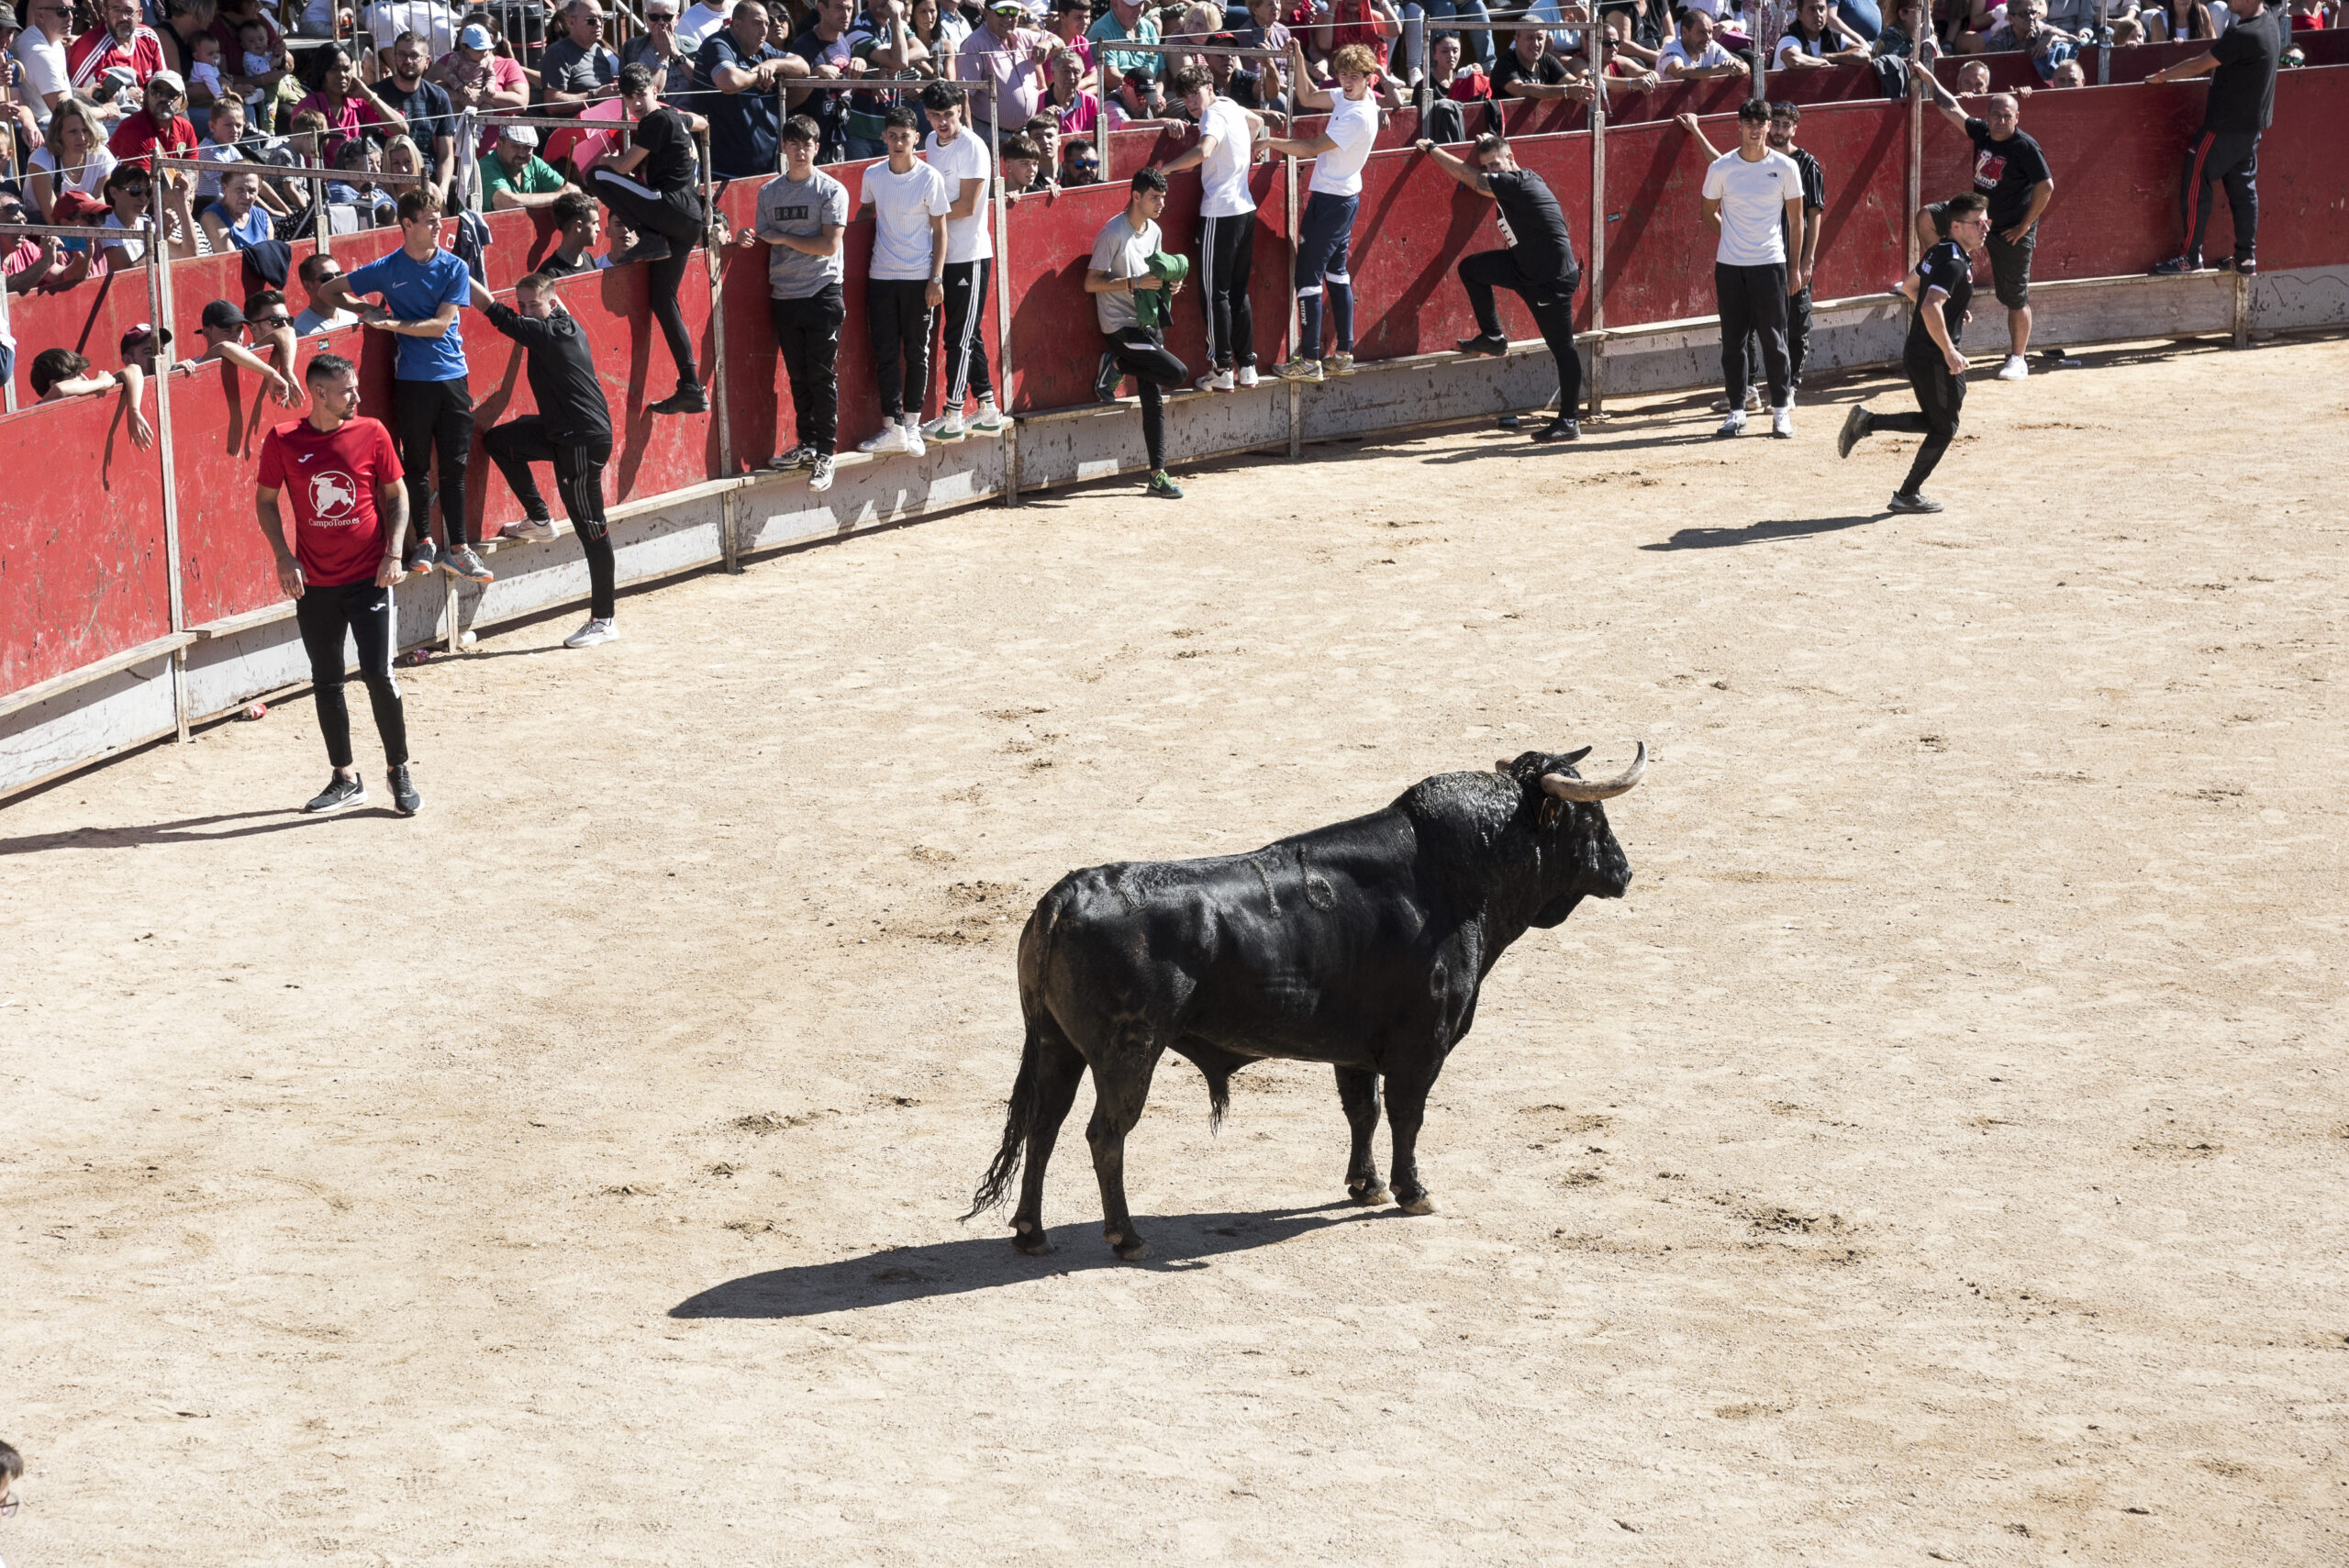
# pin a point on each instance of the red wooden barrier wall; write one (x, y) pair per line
(82, 570)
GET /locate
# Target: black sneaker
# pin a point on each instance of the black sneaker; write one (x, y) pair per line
(1106, 380)
(1917, 503)
(405, 799)
(687, 399)
(1855, 426)
(340, 793)
(1559, 430)
(650, 248)
(2243, 264)
(1481, 344)
(2177, 266)
(421, 557)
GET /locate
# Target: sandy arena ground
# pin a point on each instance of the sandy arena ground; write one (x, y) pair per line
(1938, 1156)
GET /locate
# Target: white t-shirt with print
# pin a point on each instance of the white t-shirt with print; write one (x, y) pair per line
(964, 158)
(1354, 126)
(1223, 177)
(903, 205)
(1753, 197)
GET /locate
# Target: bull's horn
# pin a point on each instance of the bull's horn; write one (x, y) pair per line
(1502, 766)
(1565, 788)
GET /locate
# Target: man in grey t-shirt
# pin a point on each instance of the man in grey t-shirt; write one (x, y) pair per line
(801, 215)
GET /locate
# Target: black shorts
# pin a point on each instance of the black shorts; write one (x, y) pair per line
(2010, 269)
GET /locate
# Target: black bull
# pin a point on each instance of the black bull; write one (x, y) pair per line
(1362, 945)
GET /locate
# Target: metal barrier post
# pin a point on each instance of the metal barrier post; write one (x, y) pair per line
(728, 533)
(1916, 149)
(1009, 453)
(1296, 392)
(1595, 392)
(158, 288)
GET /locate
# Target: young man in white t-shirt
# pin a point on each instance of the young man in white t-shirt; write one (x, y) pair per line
(956, 151)
(1226, 148)
(907, 281)
(1745, 192)
(1327, 225)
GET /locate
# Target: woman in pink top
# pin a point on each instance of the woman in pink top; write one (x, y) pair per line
(350, 106)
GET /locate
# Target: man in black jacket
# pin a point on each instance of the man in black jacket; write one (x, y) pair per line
(572, 429)
(1538, 266)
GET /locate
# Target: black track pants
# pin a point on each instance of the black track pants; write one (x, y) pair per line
(364, 611)
(578, 478)
(2228, 158)
(676, 217)
(964, 355)
(1941, 397)
(1753, 301)
(1141, 356)
(1227, 262)
(435, 419)
(808, 334)
(1551, 304)
(899, 320)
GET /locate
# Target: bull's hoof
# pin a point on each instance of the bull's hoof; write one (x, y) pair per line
(1375, 1192)
(1131, 1249)
(1032, 1243)
(1423, 1203)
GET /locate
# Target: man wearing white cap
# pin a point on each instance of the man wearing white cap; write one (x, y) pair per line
(158, 127)
(515, 175)
(480, 79)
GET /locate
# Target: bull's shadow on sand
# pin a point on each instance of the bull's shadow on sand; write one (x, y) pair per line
(1178, 1243)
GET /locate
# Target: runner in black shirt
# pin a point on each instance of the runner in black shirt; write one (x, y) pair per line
(2240, 106)
(572, 429)
(653, 185)
(1538, 266)
(1936, 368)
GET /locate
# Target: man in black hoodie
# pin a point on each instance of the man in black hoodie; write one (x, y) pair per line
(572, 429)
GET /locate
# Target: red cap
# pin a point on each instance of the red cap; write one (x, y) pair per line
(71, 207)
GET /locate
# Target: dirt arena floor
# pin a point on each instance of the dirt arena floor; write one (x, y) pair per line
(1938, 1156)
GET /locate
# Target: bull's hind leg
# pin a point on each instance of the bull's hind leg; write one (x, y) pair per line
(1358, 1092)
(1121, 1084)
(1059, 1067)
(1407, 1105)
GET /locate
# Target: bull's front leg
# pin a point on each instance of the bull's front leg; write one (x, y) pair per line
(1406, 1104)
(1121, 1085)
(1358, 1092)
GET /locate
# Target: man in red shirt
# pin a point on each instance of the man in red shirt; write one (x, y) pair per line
(119, 41)
(157, 126)
(340, 474)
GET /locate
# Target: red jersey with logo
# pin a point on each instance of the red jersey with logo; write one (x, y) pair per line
(328, 482)
(98, 50)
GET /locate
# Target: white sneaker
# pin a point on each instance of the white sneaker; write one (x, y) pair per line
(2015, 369)
(594, 634)
(989, 419)
(1734, 424)
(947, 426)
(911, 433)
(821, 479)
(892, 439)
(1752, 402)
(1247, 377)
(1781, 422)
(1217, 381)
(529, 530)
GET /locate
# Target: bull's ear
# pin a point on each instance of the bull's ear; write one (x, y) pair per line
(1503, 766)
(1571, 757)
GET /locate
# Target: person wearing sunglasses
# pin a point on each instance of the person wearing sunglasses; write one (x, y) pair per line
(1080, 165)
(316, 273)
(1936, 367)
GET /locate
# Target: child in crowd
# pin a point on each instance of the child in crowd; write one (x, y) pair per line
(203, 86)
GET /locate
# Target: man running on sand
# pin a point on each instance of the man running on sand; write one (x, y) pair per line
(1936, 369)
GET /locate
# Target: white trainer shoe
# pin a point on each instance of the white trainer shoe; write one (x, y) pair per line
(1734, 424)
(891, 439)
(593, 635)
(1781, 422)
(2015, 369)
(529, 530)
(947, 426)
(1752, 402)
(1246, 377)
(911, 433)
(988, 421)
(821, 479)
(1217, 381)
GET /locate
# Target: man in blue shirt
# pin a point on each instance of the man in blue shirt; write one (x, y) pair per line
(423, 287)
(734, 80)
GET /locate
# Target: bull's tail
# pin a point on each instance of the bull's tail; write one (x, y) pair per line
(1017, 1124)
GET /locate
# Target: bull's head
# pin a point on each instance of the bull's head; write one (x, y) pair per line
(1572, 825)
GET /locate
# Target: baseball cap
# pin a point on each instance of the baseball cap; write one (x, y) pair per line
(9, 23)
(71, 207)
(475, 35)
(138, 334)
(520, 135)
(168, 79)
(1006, 7)
(1223, 41)
(222, 314)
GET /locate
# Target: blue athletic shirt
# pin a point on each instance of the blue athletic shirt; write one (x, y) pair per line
(415, 291)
